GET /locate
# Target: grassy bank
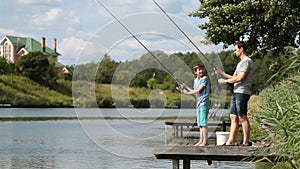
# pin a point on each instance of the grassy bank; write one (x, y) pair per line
(19, 91)
(22, 92)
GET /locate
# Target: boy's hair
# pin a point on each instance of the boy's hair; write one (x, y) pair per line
(241, 44)
(198, 66)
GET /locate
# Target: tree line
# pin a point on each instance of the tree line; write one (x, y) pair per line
(146, 72)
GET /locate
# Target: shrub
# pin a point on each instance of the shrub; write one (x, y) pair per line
(280, 109)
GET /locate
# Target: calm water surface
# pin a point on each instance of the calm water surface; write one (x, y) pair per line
(85, 144)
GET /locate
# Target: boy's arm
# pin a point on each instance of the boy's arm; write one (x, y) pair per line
(192, 91)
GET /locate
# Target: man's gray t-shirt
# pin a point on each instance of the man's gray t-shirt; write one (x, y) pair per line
(245, 65)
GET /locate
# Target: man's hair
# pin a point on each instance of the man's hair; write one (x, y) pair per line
(241, 44)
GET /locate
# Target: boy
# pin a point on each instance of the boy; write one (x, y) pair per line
(201, 91)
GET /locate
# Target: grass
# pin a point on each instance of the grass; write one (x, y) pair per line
(19, 91)
(22, 92)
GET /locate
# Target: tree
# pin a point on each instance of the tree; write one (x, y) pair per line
(5, 68)
(264, 24)
(106, 70)
(36, 67)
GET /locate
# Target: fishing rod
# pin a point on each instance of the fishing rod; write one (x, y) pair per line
(173, 76)
(184, 34)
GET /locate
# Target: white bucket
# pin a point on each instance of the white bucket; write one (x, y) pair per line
(222, 137)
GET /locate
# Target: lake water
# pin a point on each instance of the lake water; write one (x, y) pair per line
(85, 144)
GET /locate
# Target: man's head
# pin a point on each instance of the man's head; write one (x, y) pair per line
(239, 48)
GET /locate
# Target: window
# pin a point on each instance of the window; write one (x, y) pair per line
(7, 51)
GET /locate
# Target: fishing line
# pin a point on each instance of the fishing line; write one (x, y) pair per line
(184, 33)
(214, 68)
(176, 79)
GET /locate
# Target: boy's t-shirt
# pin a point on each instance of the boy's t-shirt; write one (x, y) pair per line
(203, 97)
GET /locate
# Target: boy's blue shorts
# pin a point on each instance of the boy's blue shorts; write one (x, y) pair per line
(202, 114)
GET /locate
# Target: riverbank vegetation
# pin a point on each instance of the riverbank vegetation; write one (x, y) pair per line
(125, 84)
(277, 110)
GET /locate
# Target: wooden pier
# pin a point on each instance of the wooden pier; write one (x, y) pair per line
(179, 124)
(181, 148)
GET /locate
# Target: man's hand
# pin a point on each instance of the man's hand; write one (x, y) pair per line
(219, 71)
(222, 81)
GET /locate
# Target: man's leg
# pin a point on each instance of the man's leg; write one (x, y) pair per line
(234, 127)
(242, 108)
(246, 129)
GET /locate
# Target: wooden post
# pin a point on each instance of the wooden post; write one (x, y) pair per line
(186, 164)
(175, 163)
(181, 131)
(224, 125)
(166, 134)
(174, 131)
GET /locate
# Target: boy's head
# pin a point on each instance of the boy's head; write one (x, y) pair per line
(198, 66)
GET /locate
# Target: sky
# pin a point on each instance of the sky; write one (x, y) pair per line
(85, 31)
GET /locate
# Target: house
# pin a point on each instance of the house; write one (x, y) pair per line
(13, 48)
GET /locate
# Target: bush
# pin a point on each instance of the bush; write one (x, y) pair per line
(280, 109)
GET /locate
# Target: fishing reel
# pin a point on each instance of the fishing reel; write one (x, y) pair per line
(181, 89)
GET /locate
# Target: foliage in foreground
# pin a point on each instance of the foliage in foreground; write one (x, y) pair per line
(280, 109)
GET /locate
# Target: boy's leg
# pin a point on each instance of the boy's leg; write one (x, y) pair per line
(204, 132)
(204, 129)
(200, 137)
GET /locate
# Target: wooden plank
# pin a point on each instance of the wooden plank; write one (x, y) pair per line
(191, 122)
(214, 153)
(178, 126)
(175, 163)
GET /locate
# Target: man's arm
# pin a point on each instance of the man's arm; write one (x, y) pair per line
(234, 79)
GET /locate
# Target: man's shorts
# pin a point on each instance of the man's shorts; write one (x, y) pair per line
(202, 114)
(239, 104)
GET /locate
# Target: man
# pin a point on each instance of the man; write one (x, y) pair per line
(242, 79)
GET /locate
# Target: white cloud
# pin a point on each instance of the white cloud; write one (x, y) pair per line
(4, 32)
(78, 51)
(53, 18)
(13, 32)
(85, 28)
(32, 2)
(70, 49)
